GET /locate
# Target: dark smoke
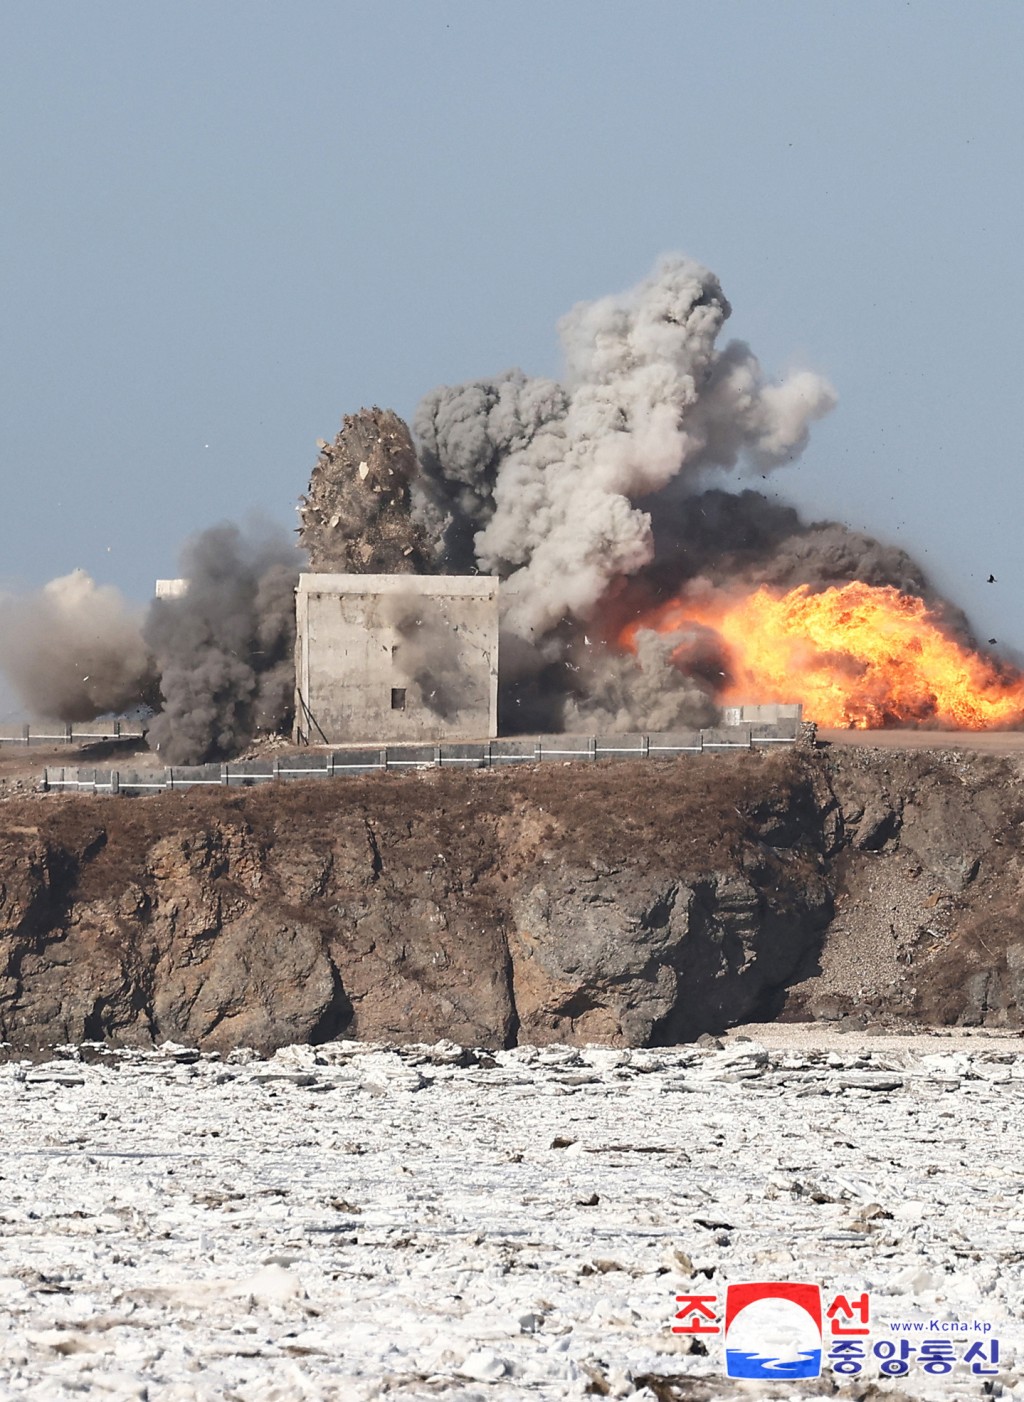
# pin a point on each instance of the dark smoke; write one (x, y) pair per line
(745, 539)
(224, 651)
(466, 434)
(566, 490)
(588, 497)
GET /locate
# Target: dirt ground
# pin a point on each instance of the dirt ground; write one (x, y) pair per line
(21, 766)
(990, 742)
(829, 1037)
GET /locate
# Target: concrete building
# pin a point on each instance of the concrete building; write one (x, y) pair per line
(763, 712)
(384, 657)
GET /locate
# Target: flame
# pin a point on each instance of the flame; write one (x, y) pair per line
(859, 656)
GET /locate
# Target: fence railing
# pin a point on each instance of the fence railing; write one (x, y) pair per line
(484, 754)
(56, 732)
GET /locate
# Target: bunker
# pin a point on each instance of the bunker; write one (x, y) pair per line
(388, 657)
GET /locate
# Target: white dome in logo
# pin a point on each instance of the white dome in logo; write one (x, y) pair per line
(775, 1329)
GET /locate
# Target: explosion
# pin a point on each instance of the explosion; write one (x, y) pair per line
(582, 495)
(858, 656)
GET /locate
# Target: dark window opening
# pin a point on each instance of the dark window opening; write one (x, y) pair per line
(398, 698)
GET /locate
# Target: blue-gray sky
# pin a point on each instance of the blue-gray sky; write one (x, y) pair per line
(225, 225)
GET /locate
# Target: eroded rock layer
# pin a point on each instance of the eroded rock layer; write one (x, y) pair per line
(622, 904)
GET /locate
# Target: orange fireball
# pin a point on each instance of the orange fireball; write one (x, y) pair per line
(857, 656)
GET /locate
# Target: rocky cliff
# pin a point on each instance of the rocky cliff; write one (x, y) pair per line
(628, 904)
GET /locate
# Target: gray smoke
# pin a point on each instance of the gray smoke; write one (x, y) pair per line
(224, 650)
(466, 434)
(589, 497)
(567, 490)
(428, 657)
(652, 689)
(542, 482)
(74, 650)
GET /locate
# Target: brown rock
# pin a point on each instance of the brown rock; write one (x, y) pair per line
(626, 904)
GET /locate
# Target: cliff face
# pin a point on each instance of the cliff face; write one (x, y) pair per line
(610, 905)
(626, 904)
(926, 858)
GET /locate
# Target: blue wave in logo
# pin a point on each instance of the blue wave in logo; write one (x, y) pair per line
(740, 1364)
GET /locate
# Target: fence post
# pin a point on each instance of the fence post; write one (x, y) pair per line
(592, 746)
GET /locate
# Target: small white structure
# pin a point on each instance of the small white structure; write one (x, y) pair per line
(385, 658)
(766, 712)
(171, 588)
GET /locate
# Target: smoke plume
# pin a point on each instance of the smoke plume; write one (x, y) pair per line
(224, 650)
(540, 483)
(654, 686)
(216, 664)
(566, 490)
(595, 498)
(74, 650)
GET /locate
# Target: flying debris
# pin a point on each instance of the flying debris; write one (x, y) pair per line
(355, 516)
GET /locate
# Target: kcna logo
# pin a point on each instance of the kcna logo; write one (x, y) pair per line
(772, 1328)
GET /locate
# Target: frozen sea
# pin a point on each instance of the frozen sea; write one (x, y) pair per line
(359, 1221)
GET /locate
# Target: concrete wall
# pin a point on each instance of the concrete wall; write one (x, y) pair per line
(58, 732)
(764, 712)
(395, 658)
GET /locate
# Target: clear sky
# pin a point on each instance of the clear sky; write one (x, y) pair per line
(225, 224)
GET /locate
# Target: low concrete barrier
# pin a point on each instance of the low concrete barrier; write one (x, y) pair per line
(56, 732)
(400, 759)
(677, 742)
